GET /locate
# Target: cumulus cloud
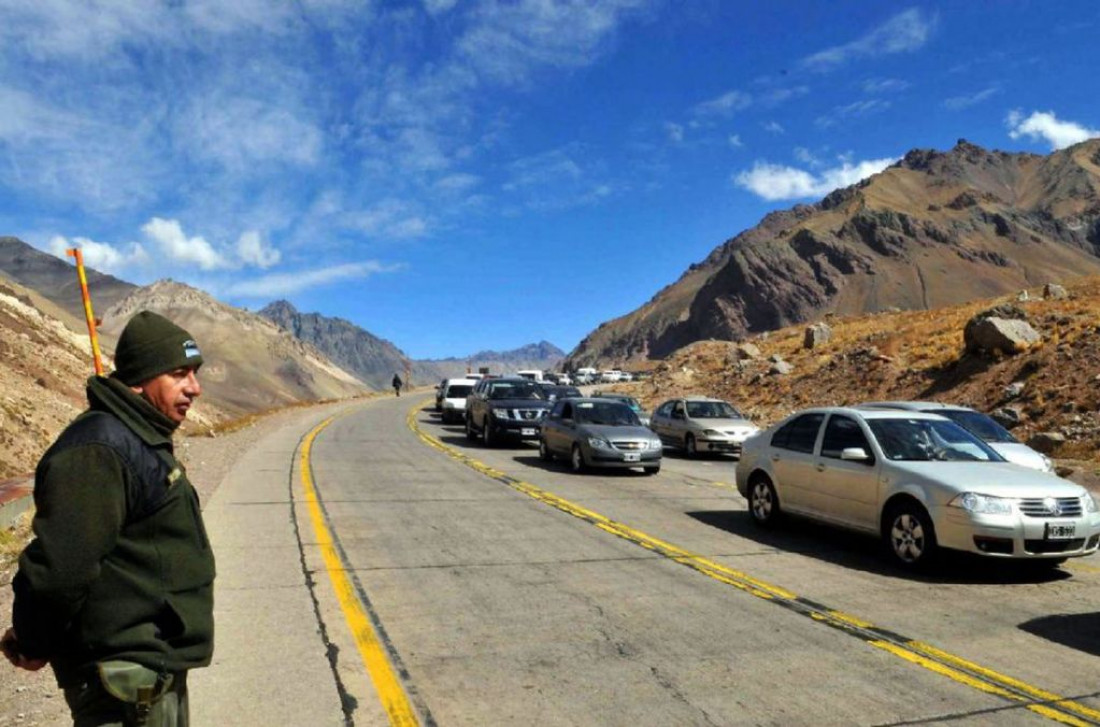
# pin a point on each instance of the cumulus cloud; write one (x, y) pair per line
(774, 127)
(101, 256)
(253, 250)
(168, 236)
(1046, 126)
(284, 284)
(778, 182)
(906, 31)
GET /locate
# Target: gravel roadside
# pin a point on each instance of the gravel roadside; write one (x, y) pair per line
(32, 698)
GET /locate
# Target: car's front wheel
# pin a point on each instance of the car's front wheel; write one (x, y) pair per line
(910, 536)
(487, 437)
(763, 502)
(544, 452)
(576, 459)
(470, 433)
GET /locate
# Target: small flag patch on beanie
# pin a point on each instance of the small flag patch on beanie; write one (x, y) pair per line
(190, 348)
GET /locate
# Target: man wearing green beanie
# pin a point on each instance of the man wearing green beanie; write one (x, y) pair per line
(115, 592)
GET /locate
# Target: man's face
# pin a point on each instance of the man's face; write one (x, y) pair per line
(172, 393)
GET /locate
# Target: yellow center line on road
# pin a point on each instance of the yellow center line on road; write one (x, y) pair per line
(1039, 701)
(371, 649)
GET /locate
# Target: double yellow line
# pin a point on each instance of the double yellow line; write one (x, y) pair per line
(1040, 701)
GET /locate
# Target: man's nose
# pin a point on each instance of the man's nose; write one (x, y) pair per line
(192, 387)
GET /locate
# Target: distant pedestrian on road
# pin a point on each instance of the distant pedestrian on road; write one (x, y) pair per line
(115, 592)
(397, 384)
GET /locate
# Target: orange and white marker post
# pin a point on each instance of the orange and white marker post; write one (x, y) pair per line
(75, 253)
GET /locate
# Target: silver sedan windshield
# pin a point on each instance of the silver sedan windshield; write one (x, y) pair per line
(928, 440)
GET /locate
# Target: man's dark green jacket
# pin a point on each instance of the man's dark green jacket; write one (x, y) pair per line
(120, 566)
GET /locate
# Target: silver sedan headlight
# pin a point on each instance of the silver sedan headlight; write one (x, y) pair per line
(599, 443)
(1090, 503)
(655, 444)
(713, 433)
(982, 504)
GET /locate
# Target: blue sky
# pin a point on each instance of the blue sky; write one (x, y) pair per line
(458, 175)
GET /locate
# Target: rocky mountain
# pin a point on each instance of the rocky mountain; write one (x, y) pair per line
(372, 359)
(935, 229)
(55, 279)
(251, 363)
(543, 355)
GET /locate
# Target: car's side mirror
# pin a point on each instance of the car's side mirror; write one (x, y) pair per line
(855, 454)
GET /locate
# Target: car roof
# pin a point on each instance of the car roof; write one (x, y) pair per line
(869, 412)
(913, 405)
(448, 382)
(589, 400)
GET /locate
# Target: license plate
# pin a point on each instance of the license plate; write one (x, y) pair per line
(632, 457)
(527, 432)
(1059, 532)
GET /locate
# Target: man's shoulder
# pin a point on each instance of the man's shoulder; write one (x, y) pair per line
(96, 427)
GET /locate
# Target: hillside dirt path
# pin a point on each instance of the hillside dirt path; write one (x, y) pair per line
(32, 698)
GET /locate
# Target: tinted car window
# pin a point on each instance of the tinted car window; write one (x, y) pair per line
(712, 410)
(979, 424)
(799, 434)
(665, 409)
(929, 440)
(841, 433)
(611, 413)
(454, 391)
(515, 390)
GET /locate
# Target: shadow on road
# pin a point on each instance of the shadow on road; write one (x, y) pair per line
(561, 465)
(865, 553)
(1079, 631)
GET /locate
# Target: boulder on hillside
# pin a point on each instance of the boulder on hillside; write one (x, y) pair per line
(780, 368)
(1053, 291)
(1008, 417)
(745, 352)
(816, 335)
(1001, 328)
(1046, 442)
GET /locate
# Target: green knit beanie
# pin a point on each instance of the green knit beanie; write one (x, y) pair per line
(151, 345)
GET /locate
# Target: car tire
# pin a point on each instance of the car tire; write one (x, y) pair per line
(544, 452)
(689, 447)
(763, 501)
(470, 433)
(487, 437)
(576, 459)
(910, 536)
(652, 470)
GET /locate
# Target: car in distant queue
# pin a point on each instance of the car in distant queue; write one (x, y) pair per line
(919, 481)
(505, 408)
(597, 432)
(454, 393)
(698, 424)
(553, 392)
(980, 425)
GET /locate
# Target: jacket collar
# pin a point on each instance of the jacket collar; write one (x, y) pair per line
(111, 395)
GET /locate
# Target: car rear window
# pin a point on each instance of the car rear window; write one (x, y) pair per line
(457, 390)
(977, 423)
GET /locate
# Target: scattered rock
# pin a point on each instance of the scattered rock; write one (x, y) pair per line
(1014, 389)
(745, 351)
(1053, 291)
(1004, 334)
(1046, 442)
(1008, 417)
(780, 368)
(816, 335)
(1023, 296)
(1063, 471)
(775, 358)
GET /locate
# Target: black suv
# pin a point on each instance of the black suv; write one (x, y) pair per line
(505, 408)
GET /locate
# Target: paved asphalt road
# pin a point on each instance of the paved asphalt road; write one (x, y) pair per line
(498, 590)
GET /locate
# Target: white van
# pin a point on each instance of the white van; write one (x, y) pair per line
(587, 375)
(453, 399)
(530, 374)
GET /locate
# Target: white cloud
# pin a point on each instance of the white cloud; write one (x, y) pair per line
(957, 103)
(437, 7)
(853, 110)
(458, 183)
(101, 256)
(1045, 125)
(284, 284)
(774, 127)
(389, 218)
(176, 246)
(806, 156)
(884, 85)
(252, 250)
(906, 31)
(725, 105)
(734, 140)
(777, 182)
(675, 132)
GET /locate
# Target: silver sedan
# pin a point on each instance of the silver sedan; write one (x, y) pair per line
(920, 481)
(593, 432)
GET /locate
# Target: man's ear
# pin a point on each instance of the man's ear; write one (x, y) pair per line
(138, 389)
